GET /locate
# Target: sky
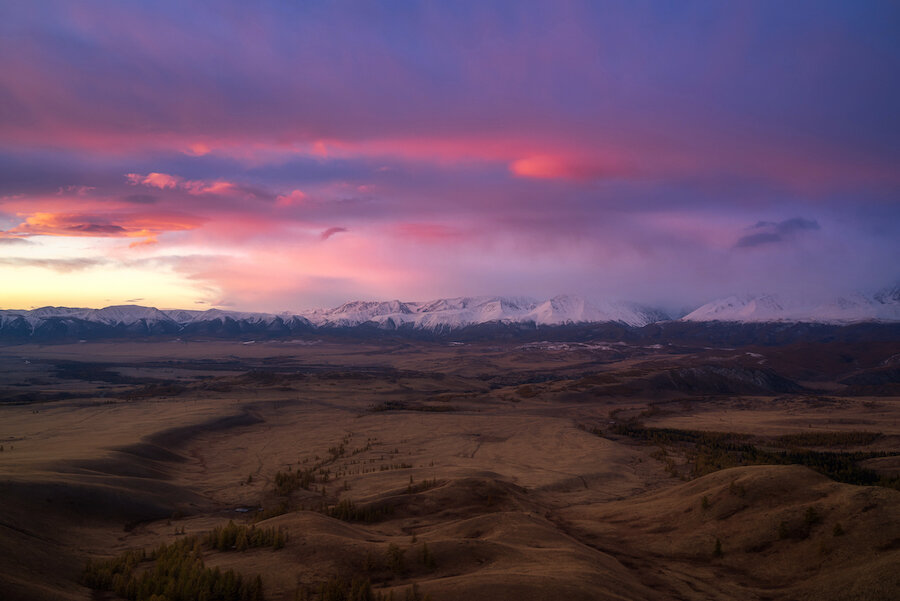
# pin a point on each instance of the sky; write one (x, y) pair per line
(280, 156)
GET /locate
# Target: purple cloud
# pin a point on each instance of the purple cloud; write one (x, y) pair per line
(770, 232)
(331, 232)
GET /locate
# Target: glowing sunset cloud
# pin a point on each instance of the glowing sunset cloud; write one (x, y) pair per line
(552, 167)
(278, 156)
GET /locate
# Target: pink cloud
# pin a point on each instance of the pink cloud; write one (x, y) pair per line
(154, 180)
(427, 232)
(296, 197)
(164, 181)
(200, 187)
(198, 149)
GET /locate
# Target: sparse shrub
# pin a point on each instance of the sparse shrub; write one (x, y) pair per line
(527, 391)
(704, 502)
(799, 529)
(838, 530)
(737, 490)
(717, 551)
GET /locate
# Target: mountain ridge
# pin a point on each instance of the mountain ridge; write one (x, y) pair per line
(441, 316)
(856, 307)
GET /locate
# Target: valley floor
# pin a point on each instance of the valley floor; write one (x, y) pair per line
(431, 470)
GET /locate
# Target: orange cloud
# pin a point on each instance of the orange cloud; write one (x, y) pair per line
(556, 167)
(147, 226)
(148, 241)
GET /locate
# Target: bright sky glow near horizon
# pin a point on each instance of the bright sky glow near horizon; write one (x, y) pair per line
(286, 155)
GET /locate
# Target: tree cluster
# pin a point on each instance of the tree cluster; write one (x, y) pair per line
(177, 573)
(355, 589)
(347, 511)
(239, 537)
(713, 451)
(288, 482)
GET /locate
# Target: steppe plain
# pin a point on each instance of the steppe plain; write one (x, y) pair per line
(478, 471)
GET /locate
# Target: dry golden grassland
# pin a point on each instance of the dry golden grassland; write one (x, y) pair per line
(428, 470)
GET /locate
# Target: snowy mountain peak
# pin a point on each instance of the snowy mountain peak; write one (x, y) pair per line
(888, 296)
(124, 314)
(850, 308)
(567, 308)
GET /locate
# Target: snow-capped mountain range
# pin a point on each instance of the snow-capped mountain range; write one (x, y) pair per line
(454, 313)
(442, 314)
(852, 308)
(438, 316)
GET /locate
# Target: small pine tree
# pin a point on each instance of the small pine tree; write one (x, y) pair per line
(394, 557)
(811, 517)
(838, 530)
(427, 557)
(717, 552)
(704, 502)
(783, 531)
(413, 594)
(241, 544)
(280, 539)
